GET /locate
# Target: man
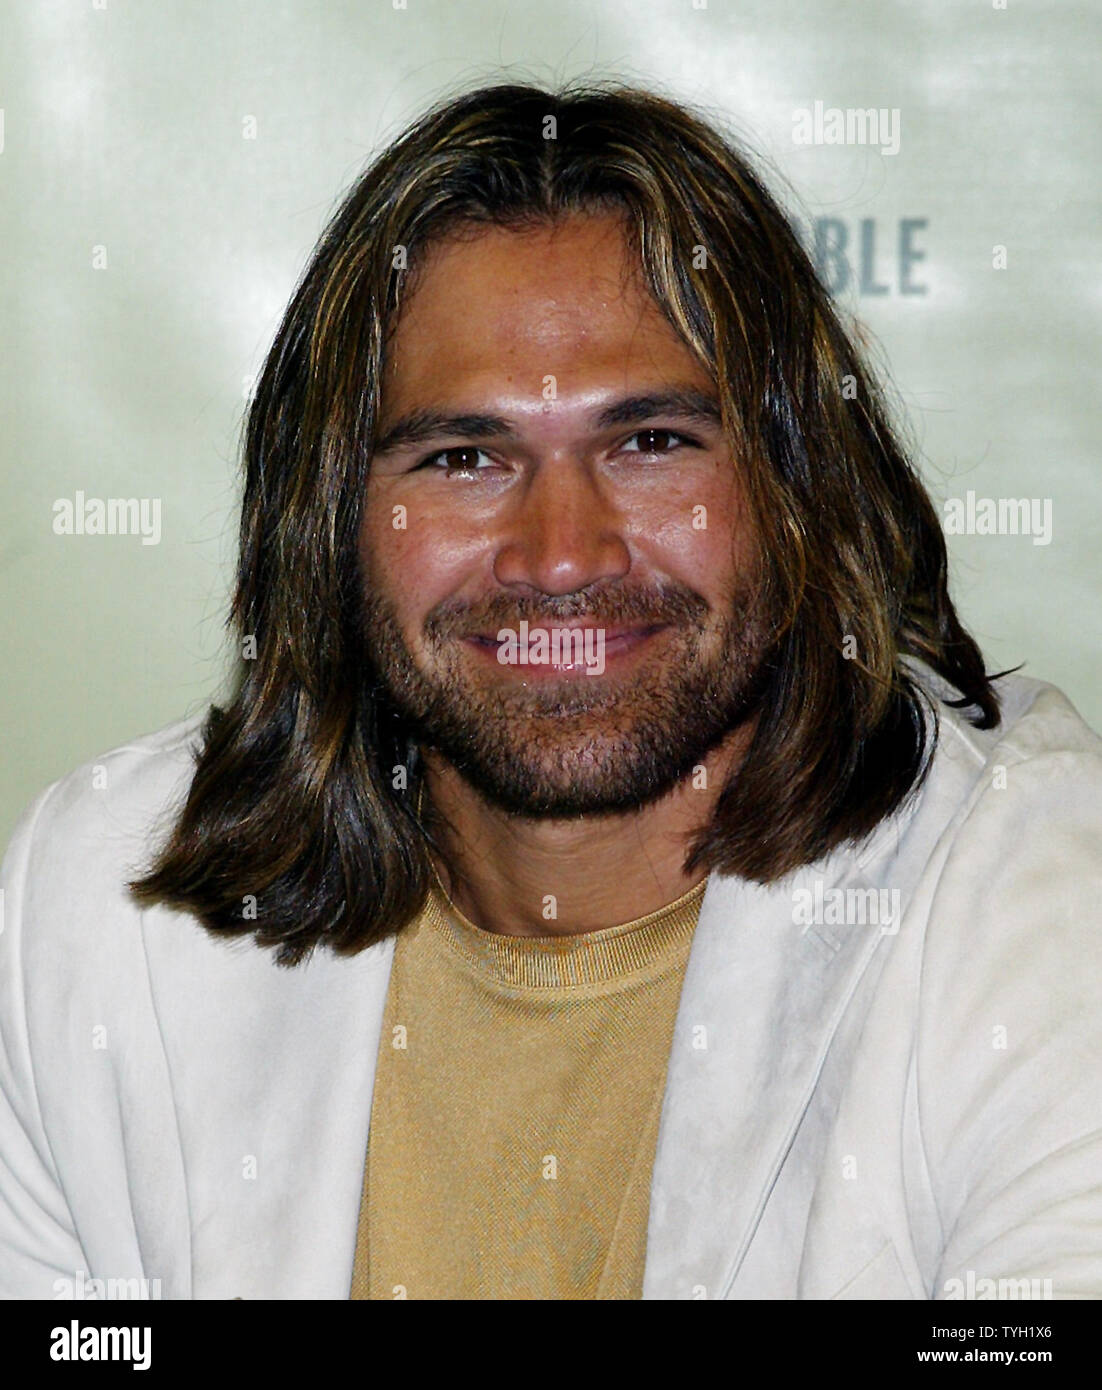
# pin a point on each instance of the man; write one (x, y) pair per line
(615, 875)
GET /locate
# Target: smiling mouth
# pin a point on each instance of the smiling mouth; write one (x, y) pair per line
(599, 645)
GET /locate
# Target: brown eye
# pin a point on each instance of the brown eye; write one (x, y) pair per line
(656, 441)
(461, 459)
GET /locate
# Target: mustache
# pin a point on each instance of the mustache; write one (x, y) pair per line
(668, 604)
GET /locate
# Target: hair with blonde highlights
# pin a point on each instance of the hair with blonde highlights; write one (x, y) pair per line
(293, 798)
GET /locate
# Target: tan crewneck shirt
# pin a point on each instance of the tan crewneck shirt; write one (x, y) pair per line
(516, 1106)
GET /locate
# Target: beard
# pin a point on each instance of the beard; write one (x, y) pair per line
(562, 747)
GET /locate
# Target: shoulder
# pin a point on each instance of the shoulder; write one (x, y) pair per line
(1038, 720)
(1019, 807)
(1041, 751)
(82, 838)
(998, 859)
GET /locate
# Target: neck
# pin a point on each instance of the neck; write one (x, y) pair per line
(522, 877)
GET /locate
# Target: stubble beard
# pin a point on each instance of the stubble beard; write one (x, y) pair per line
(562, 747)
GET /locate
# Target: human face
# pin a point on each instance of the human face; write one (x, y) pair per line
(526, 470)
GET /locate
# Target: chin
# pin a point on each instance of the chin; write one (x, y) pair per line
(537, 791)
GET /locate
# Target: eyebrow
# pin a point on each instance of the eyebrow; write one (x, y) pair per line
(678, 402)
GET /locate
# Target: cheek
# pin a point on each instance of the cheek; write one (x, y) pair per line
(697, 532)
(387, 544)
(412, 557)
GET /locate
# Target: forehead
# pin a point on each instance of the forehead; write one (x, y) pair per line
(499, 305)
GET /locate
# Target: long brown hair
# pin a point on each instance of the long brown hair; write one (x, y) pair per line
(296, 806)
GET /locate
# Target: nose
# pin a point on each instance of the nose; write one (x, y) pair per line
(563, 533)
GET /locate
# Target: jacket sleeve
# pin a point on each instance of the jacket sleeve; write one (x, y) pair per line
(38, 1242)
(1009, 1051)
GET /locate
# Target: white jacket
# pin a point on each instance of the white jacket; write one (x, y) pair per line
(897, 1110)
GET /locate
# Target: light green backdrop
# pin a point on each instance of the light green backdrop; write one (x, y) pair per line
(167, 167)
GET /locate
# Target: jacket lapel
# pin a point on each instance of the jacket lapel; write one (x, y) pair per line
(271, 1073)
(761, 1000)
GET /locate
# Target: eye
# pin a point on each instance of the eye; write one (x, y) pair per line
(462, 458)
(658, 442)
